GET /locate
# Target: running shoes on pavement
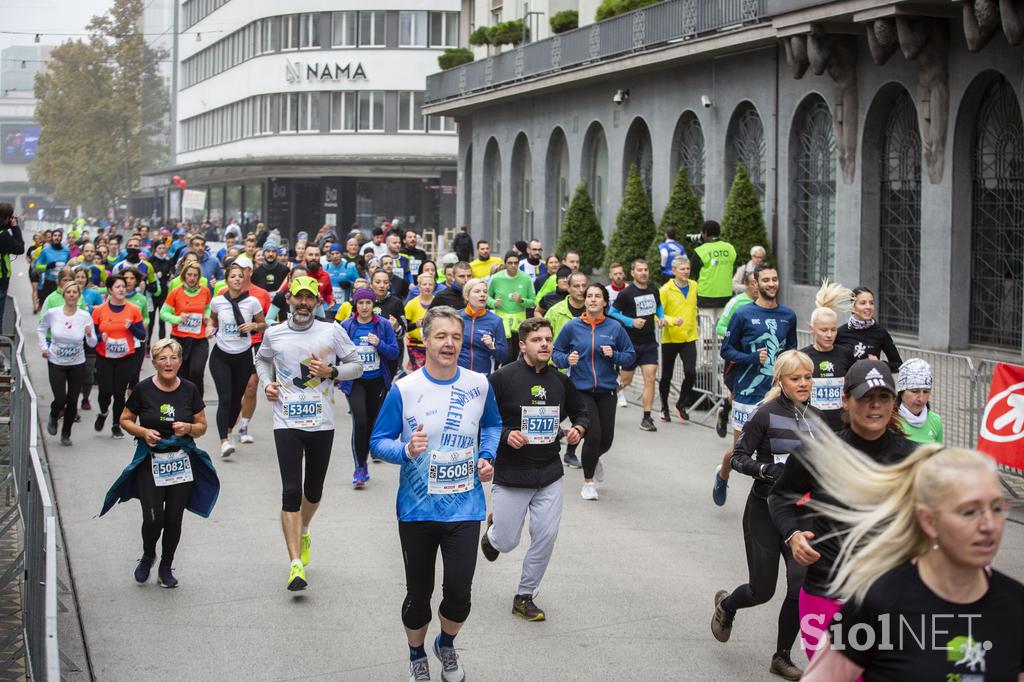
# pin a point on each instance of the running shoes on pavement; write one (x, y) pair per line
(647, 424)
(244, 436)
(721, 489)
(143, 568)
(486, 547)
(116, 432)
(451, 670)
(304, 545)
(524, 607)
(419, 670)
(721, 621)
(589, 491)
(165, 577)
(227, 448)
(571, 460)
(297, 577)
(359, 477)
(782, 665)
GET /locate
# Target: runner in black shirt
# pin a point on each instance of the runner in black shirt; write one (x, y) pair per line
(533, 398)
(638, 308)
(868, 339)
(830, 360)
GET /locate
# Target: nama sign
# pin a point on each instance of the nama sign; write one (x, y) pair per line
(296, 72)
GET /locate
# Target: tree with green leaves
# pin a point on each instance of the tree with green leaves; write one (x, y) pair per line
(581, 231)
(99, 120)
(634, 224)
(743, 220)
(682, 213)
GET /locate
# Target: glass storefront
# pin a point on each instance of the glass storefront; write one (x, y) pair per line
(252, 207)
(233, 203)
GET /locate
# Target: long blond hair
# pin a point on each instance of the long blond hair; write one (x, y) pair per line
(788, 362)
(832, 298)
(877, 503)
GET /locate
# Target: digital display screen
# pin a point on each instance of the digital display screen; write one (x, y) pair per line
(19, 142)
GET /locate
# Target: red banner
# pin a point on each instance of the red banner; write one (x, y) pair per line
(1002, 424)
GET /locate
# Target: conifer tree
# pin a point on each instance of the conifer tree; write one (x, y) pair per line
(742, 220)
(581, 231)
(634, 224)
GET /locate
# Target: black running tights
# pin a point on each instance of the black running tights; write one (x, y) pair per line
(765, 547)
(66, 383)
(162, 510)
(294, 446)
(601, 431)
(231, 372)
(112, 377)
(688, 353)
(365, 399)
(457, 541)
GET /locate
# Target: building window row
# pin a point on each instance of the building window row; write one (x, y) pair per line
(196, 10)
(363, 111)
(347, 29)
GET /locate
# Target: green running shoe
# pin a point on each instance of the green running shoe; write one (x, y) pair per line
(297, 578)
(304, 548)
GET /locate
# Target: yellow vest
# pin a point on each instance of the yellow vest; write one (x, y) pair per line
(677, 305)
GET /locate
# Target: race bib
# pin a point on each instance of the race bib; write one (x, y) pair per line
(66, 351)
(540, 424)
(398, 271)
(171, 468)
(339, 294)
(451, 472)
(303, 411)
(827, 393)
(414, 265)
(368, 357)
(781, 458)
(190, 323)
(229, 330)
(645, 305)
(117, 348)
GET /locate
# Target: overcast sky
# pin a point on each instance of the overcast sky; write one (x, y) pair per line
(47, 16)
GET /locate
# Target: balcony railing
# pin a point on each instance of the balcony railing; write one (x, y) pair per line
(642, 29)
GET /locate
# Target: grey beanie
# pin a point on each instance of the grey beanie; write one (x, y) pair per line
(914, 373)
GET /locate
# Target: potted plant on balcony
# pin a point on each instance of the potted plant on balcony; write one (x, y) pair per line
(454, 56)
(563, 21)
(508, 33)
(481, 36)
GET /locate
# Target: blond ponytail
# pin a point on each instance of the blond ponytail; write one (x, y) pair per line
(832, 298)
(877, 504)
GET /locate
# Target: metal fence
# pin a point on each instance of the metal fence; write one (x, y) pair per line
(34, 524)
(961, 384)
(642, 29)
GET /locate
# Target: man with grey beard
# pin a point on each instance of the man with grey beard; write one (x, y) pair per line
(298, 363)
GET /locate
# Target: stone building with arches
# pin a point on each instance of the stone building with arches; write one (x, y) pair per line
(884, 138)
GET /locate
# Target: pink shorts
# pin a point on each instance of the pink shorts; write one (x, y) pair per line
(815, 616)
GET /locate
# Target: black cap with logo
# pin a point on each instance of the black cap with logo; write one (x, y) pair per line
(865, 375)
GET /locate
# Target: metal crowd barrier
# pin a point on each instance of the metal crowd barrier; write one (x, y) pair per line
(959, 395)
(34, 524)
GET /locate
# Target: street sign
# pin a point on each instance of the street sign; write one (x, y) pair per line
(1002, 423)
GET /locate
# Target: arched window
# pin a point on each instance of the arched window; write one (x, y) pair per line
(638, 151)
(997, 220)
(899, 271)
(492, 195)
(813, 154)
(595, 168)
(745, 144)
(558, 193)
(689, 148)
(522, 190)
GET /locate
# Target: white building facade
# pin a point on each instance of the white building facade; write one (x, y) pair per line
(308, 113)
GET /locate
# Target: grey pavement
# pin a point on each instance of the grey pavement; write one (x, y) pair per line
(628, 593)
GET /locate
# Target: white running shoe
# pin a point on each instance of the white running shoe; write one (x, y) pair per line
(621, 395)
(227, 448)
(599, 472)
(589, 491)
(244, 437)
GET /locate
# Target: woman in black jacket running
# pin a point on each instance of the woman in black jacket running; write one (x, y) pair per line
(766, 442)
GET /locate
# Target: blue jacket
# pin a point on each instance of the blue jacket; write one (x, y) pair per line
(594, 371)
(211, 267)
(474, 354)
(387, 348)
(207, 484)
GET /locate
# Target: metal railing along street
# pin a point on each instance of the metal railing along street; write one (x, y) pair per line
(34, 524)
(642, 29)
(959, 395)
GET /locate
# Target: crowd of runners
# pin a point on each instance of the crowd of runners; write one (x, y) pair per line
(478, 369)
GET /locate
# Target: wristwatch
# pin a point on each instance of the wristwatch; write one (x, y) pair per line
(334, 373)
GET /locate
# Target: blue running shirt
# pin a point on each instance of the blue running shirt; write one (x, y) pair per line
(461, 419)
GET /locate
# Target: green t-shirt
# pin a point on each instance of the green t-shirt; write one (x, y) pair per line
(929, 432)
(502, 286)
(56, 299)
(734, 303)
(139, 299)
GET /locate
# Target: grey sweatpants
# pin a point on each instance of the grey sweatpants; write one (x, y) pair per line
(510, 507)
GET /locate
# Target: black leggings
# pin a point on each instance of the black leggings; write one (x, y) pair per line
(66, 383)
(231, 372)
(139, 357)
(112, 377)
(292, 445)
(420, 541)
(601, 408)
(688, 352)
(765, 546)
(154, 318)
(193, 360)
(365, 399)
(162, 510)
(89, 375)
